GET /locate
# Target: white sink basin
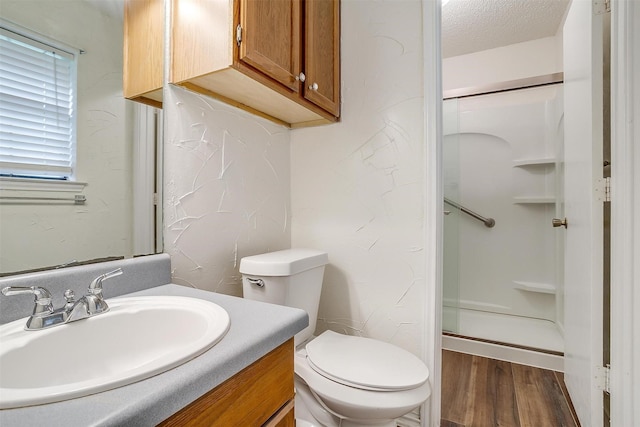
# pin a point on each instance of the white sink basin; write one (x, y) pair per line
(137, 338)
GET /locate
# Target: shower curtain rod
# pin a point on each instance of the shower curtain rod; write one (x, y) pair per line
(529, 82)
(488, 222)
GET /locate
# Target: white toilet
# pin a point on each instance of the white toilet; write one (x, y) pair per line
(341, 380)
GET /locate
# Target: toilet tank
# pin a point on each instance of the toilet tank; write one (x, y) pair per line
(291, 277)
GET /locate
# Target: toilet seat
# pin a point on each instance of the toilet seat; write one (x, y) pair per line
(365, 363)
(358, 402)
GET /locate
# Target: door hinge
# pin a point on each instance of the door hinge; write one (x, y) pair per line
(603, 375)
(600, 7)
(603, 189)
(155, 199)
(239, 34)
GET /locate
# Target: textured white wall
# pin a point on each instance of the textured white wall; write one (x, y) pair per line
(226, 190)
(357, 186)
(44, 235)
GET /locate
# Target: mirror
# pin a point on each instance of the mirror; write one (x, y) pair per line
(35, 232)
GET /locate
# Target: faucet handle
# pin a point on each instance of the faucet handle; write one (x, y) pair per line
(42, 297)
(95, 288)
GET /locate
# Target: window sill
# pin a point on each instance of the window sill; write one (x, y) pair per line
(45, 185)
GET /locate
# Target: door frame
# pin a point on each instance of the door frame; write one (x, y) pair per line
(433, 206)
(144, 166)
(625, 213)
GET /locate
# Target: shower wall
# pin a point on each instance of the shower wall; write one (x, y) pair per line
(506, 156)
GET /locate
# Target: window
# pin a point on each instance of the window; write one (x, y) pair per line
(37, 108)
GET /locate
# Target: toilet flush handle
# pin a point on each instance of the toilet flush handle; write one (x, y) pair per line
(256, 282)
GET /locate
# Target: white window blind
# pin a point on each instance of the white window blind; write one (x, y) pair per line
(37, 107)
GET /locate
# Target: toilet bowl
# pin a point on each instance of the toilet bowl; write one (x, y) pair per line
(340, 380)
(357, 381)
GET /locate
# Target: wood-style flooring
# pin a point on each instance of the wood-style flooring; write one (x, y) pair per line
(481, 392)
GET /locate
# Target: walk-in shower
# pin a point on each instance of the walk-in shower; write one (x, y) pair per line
(502, 184)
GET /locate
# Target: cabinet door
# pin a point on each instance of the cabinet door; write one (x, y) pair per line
(322, 54)
(250, 398)
(271, 38)
(143, 51)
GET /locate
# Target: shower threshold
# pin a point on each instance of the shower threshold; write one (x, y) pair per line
(503, 328)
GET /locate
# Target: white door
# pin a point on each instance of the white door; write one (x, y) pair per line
(583, 209)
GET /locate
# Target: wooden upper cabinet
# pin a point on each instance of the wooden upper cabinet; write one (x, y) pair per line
(256, 55)
(143, 51)
(270, 38)
(322, 54)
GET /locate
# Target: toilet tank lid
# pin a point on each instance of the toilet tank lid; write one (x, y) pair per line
(283, 263)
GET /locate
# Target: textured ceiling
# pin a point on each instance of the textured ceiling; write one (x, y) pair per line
(474, 25)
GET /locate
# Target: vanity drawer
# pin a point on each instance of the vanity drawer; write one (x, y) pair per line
(258, 395)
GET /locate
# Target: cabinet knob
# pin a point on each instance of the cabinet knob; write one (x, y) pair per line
(313, 86)
(301, 77)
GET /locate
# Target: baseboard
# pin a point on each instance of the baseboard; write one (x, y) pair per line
(537, 359)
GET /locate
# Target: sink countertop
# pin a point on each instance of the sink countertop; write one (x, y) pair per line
(256, 328)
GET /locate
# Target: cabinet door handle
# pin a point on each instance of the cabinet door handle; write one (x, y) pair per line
(301, 77)
(313, 86)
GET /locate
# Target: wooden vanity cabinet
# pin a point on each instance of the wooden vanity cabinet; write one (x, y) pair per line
(260, 395)
(279, 59)
(143, 51)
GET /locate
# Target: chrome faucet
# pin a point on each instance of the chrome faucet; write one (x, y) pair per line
(44, 316)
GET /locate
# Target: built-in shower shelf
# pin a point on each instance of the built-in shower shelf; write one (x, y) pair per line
(534, 162)
(542, 288)
(534, 200)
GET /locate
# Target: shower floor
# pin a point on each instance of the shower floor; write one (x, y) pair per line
(516, 330)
